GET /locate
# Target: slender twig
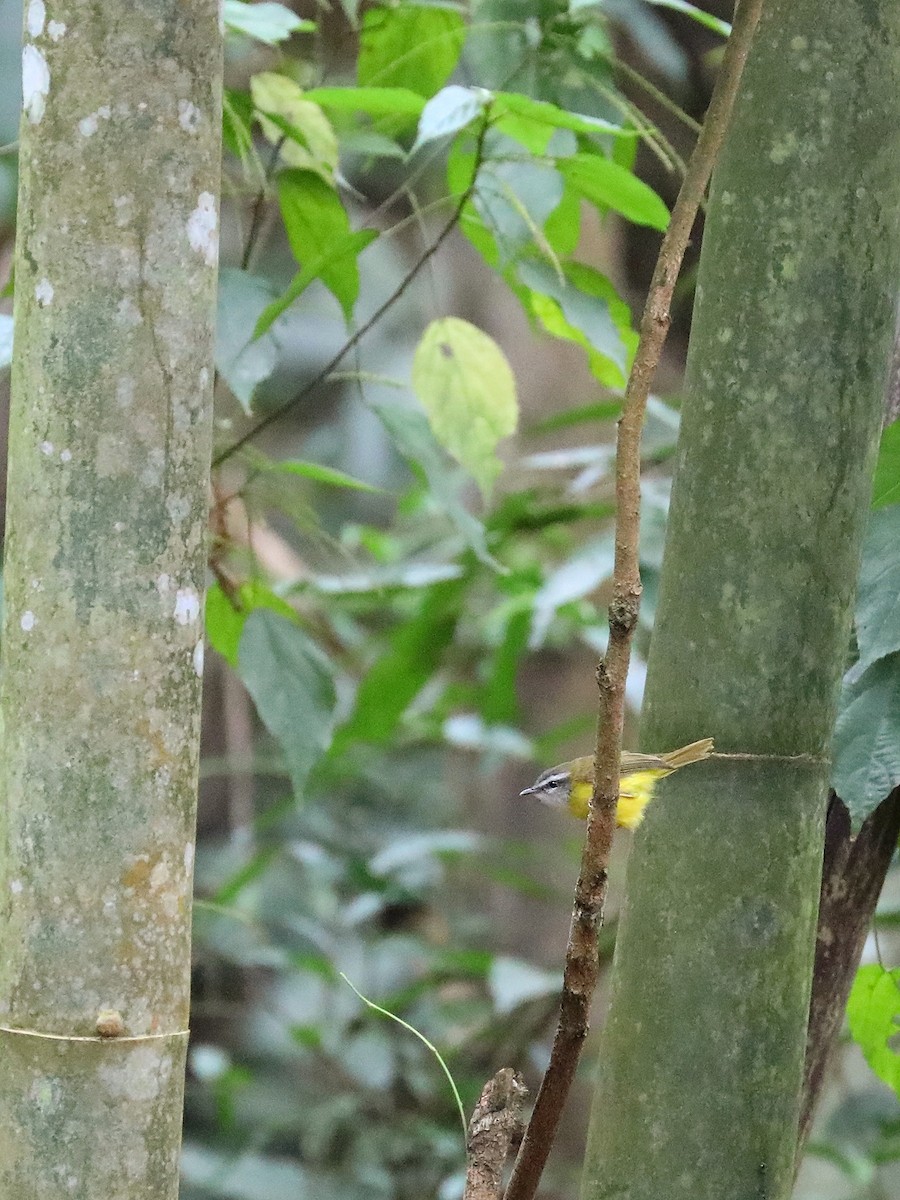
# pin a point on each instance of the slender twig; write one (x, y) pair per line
(652, 135)
(386, 1012)
(453, 220)
(653, 91)
(424, 210)
(581, 970)
(424, 163)
(259, 204)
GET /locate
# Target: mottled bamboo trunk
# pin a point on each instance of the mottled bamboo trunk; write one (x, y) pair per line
(701, 1061)
(104, 576)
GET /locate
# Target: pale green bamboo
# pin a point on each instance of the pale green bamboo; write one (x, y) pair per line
(102, 643)
(701, 1060)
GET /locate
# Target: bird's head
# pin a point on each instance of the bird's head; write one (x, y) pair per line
(552, 787)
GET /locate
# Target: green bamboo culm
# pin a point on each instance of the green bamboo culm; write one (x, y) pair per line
(102, 653)
(701, 1058)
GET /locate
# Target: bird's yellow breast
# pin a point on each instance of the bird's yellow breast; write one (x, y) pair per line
(635, 793)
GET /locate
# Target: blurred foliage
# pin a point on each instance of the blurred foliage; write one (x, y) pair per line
(387, 661)
(381, 610)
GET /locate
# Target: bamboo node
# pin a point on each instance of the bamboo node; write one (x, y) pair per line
(110, 1023)
(15, 1031)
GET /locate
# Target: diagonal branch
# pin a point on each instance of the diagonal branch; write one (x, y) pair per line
(277, 413)
(581, 969)
(853, 873)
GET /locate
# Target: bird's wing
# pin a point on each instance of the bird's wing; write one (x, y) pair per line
(642, 762)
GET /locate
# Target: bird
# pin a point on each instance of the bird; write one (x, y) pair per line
(570, 784)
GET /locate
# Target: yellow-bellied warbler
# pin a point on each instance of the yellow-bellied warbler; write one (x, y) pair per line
(570, 784)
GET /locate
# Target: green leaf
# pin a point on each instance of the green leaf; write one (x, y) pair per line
(224, 623)
(292, 688)
(514, 195)
(410, 46)
(608, 185)
(500, 702)
(376, 101)
(251, 871)
(460, 170)
(244, 359)
(452, 109)
(583, 308)
(323, 475)
(311, 142)
(562, 229)
(411, 434)
(468, 390)
(540, 112)
(414, 654)
(225, 620)
(866, 744)
(268, 23)
(316, 224)
(878, 598)
(887, 470)
(339, 260)
(370, 143)
(601, 411)
(873, 1013)
(237, 118)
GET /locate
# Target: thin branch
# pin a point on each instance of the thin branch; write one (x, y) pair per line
(654, 92)
(854, 868)
(853, 872)
(425, 162)
(259, 204)
(581, 969)
(496, 1122)
(653, 136)
(376, 316)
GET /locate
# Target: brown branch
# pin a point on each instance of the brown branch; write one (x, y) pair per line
(277, 413)
(259, 203)
(581, 969)
(852, 876)
(496, 1122)
(853, 873)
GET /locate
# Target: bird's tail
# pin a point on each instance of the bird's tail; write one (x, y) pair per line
(695, 752)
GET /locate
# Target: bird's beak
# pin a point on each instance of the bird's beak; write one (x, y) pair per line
(528, 791)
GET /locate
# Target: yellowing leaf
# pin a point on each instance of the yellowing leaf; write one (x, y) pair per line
(309, 140)
(467, 388)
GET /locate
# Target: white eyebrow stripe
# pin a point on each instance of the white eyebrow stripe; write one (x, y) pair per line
(557, 778)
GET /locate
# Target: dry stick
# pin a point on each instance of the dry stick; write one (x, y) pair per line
(496, 1122)
(581, 969)
(376, 316)
(259, 204)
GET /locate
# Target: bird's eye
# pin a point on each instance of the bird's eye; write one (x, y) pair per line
(551, 783)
